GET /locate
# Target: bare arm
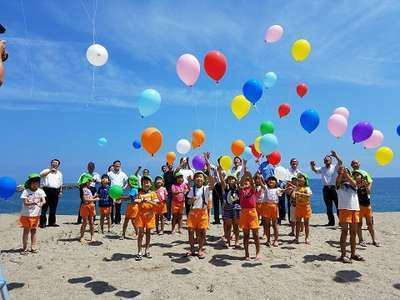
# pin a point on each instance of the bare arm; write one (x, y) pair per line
(138, 170)
(221, 178)
(339, 160)
(314, 167)
(211, 181)
(2, 71)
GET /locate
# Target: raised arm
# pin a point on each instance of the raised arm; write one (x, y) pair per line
(211, 180)
(2, 71)
(314, 167)
(137, 171)
(339, 160)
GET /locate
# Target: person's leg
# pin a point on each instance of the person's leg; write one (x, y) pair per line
(353, 234)
(256, 242)
(147, 245)
(173, 223)
(124, 227)
(117, 213)
(53, 207)
(293, 227)
(83, 228)
(140, 240)
(113, 213)
(79, 219)
(267, 222)
(265, 228)
(246, 234)
(282, 208)
(180, 218)
(109, 223)
(328, 204)
(25, 234)
(276, 232)
(335, 200)
(307, 230)
(187, 206)
(102, 223)
(228, 231)
(201, 237)
(33, 239)
(288, 208)
(162, 223)
(91, 227)
(298, 225)
(191, 241)
(343, 238)
(216, 206)
(371, 230)
(359, 232)
(169, 205)
(43, 218)
(157, 222)
(236, 231)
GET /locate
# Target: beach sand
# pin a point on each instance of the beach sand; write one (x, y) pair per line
(66, 269)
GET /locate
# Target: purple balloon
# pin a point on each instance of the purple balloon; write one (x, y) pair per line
(362, 131)
(198, 162)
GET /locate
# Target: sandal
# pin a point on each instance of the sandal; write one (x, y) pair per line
(357, 258)
(138, 257)
(34, 251)
(148, 255)
(201, 255)
(377, 244)
(24, 252)
(345, 260)
(189, 254)
(363, 244)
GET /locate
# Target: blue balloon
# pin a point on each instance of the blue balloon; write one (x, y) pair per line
(398, 130)
(252, 90)
(268, 143)
(8, 187)
(149, 102)
(102, 141)
(270, 79)
(309, 120)
(136, 144)
(247, 154)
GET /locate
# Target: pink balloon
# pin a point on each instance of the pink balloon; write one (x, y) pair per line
(188, 69)
(273, 34)
(375, 140)
(337, 125)
(342, 111)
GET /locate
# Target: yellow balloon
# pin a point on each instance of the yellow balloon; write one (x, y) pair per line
(257, 144)
(240, 106)
(225, 162)
(300, 50)
(384, 156)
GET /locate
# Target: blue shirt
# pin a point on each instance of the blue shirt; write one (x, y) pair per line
(105, 200)
(266, 170)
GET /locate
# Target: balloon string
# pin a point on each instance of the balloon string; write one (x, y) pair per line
(215, 125)
(94, 19)
(28, 54)
(196, 113)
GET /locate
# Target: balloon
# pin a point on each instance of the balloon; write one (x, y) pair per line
(252, 90)
(240, 106)
(270, 79)
(281, 173)
(283, 110)
(8, 187)
(273, 34)
(183, 146)
(152, 140)
(255, 153)
(267, 127)
(268, 143)
(384, 156)
(188, 69)
(302, 89)
(136, 144)
(215, 64)
(362, 131)
(309, 120)
(225, 162)
(342, 111)
(274, 158)
(398, 130)
(198, 162)
(300, 50)
(149, 102)
(375, 140)
(257, 144)
(115, 192)
(102, 141)
(337, 125)
(247, 153)
(238, 147)
(170, 157)
(97, 55)
(198, 138)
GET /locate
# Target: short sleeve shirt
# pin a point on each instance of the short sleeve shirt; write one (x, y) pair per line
(201, 196)
(34, 198)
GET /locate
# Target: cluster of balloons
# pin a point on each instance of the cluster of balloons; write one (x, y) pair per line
(149, 102)
(309, 120)
(151, 140)
(267, 142)
(338, 121)
(300, 50)
(8, 186)
(97, 55)
(102, 141)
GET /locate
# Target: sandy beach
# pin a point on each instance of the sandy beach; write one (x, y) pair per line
(66, 269)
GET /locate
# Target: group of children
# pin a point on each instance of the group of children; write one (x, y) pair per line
(245, 201)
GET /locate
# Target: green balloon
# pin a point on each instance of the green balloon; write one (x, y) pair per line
(115, 192)
(267, 127)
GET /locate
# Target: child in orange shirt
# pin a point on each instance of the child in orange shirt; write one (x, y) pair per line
(132, 207)
(162, 195)
(146, 219)
(33, 199)
(87, 210)
(179, 190)
(302, 195)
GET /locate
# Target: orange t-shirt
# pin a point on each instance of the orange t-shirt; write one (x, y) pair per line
(148, 201)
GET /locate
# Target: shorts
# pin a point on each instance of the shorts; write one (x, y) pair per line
(105, 210)
(231, 213)
(145, 219)
(349, 216)
(131, 211)
(248, 218)
(161, 208)
(269, 210)
(197, 219)
(177, 207)
(303, 211)
(365, 212)
(87, 210)
(29, 222)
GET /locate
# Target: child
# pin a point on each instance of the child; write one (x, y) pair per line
(87, 210)
(105, 203)
(146, 219)
(132, 207)
(179, 190)
(270, 209)
(162, 195)
(348, 213)
(290, 188)
(302, 195)
(248, 212)
(198, 198)
(260, 193)
(230, 207)
(33, 199)
(364, 200)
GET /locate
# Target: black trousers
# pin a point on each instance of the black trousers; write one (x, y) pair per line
(52, 195)
(217, 200)
(187, 206)
(116, 213)
(330, 197)
(282, 207)
(288, 208)
(169, 201)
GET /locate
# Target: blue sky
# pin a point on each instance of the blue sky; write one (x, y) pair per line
(49, 107)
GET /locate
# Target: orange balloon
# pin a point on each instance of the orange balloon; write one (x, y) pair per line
(151, 140)
(237, 147)
(171, 157)
(198, 138)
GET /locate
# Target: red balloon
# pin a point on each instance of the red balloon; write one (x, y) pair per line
(254, 151)
(274, 158)
(302, 89)
(215, 64)
(284, 110)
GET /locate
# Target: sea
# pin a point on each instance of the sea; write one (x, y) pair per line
(385, 198)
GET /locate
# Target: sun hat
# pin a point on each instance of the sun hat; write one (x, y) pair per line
(32, 177)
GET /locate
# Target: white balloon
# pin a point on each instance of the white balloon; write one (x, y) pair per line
(281, 173)
(183, 146)
(97, 55)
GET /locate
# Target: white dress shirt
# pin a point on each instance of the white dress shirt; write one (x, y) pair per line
(52, 180)
(118, 178)
(328, 175)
